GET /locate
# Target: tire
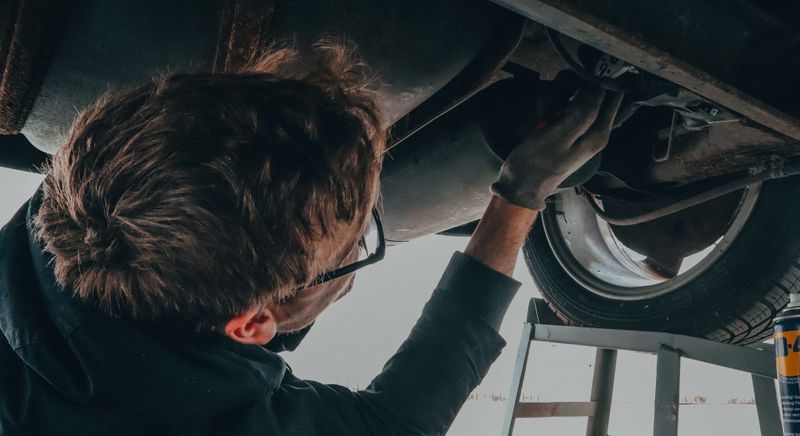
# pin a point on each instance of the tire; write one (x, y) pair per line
(733, 300)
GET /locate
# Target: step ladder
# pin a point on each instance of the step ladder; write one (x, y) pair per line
(542, 325)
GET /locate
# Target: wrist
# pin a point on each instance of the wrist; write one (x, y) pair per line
(500, 234)
(508, 212)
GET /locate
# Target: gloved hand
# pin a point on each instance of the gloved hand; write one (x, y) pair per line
(549, 154)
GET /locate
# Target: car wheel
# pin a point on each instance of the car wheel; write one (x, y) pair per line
(728, 291)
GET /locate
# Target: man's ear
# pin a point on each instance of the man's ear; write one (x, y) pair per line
(255, 326)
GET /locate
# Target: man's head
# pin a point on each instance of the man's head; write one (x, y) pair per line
(200, 199)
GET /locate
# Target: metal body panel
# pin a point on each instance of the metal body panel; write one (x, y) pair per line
(114, 44)
(438, 179)
(415, 47)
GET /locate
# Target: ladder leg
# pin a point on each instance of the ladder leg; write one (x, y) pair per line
(769, 419)
(518, 377)
(605, 364)
(668, 377)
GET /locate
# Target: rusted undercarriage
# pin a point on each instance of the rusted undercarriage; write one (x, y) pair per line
(742, 57)
(712, 94)
(734, 60)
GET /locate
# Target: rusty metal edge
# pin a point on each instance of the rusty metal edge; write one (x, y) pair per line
(547, 410)
(583, 26)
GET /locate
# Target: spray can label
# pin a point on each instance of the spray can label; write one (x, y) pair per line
(787, 359)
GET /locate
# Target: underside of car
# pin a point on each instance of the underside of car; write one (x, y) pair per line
(687, 222)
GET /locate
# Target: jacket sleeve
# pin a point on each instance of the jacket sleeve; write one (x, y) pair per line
(422, 387)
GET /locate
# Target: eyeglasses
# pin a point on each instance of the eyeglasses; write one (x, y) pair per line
(371, 249)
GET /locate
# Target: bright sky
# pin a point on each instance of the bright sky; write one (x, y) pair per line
(352, 340)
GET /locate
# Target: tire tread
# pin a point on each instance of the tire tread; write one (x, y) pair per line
(772, 273)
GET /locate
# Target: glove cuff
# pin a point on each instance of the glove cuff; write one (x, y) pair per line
(529, 200)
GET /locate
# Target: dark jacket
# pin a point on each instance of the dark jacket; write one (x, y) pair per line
(67, 370)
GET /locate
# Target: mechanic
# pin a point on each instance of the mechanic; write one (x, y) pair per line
(188, 224)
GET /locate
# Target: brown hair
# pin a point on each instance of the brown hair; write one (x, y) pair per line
(198, 196)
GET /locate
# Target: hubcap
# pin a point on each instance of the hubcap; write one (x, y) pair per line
(593, 256)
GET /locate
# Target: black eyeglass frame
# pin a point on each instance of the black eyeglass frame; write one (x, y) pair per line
(375, 257)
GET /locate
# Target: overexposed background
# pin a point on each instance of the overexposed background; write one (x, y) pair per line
(351, 341)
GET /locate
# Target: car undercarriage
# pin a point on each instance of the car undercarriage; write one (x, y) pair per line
(665, 230)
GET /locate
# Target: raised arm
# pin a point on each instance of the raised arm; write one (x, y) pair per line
(455, 341)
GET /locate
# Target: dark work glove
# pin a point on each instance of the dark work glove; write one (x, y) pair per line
(549, 154)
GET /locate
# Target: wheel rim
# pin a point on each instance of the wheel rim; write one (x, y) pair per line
(590, 253)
